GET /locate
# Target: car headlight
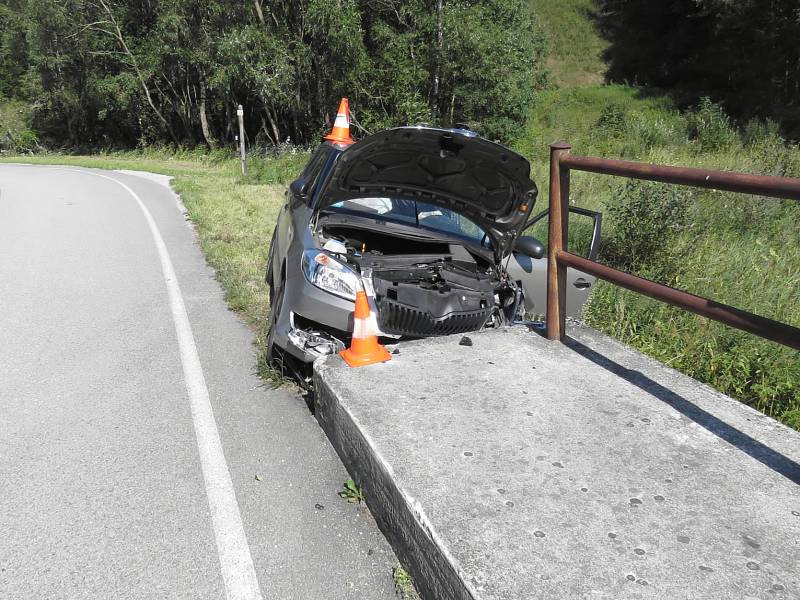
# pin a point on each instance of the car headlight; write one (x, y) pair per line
(329, 274)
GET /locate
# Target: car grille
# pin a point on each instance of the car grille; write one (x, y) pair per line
(400, 319)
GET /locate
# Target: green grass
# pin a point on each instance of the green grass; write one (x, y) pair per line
(234, 215)
(572, 114)
(575, 47)
(404, 584)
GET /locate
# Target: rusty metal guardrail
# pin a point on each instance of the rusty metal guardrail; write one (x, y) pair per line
(559, 258)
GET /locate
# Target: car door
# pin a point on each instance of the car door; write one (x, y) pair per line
(584, 238)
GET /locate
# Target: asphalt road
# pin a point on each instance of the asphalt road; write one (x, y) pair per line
(132, 426)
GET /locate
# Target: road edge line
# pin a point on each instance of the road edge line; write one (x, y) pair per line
(236, 562)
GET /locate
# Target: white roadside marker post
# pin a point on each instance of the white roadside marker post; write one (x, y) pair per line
(242, 158)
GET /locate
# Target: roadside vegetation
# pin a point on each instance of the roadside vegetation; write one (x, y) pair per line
(742, 251)
(404, 584)
(352, 492)
(16, 135)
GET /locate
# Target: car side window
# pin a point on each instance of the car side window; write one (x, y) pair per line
(307, 182)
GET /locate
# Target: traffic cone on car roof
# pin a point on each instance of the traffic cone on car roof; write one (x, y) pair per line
(364, 349)
(341, 127)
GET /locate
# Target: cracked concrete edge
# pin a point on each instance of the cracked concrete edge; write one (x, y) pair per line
(402, 519)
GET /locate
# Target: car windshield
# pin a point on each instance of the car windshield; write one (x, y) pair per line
(420, 214)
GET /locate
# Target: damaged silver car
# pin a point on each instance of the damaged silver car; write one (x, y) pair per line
(425, 220)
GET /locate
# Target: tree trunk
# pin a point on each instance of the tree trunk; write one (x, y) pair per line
(266, 131)
(204, 118)
(273, 125)
(437, 60)
(259, 12)
(320, 91)
(117, 34)
(228, 120)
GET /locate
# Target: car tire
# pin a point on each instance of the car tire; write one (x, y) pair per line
(274, 354)
(268, 276)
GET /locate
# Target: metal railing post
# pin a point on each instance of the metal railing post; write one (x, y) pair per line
(557, 242)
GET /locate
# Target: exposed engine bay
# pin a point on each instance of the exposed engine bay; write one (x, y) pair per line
(424, 286)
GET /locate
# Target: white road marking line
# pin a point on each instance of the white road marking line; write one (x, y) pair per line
(236, 563)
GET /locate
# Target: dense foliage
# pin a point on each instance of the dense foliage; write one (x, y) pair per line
(743, 53)
(102, 73)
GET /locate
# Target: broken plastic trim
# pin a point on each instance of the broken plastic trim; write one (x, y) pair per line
(319, 343)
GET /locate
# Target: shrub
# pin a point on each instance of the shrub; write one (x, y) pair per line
(647, 132)
(412, 110)
(22, 141)
(645, 219)
(613, 118)
(16, 135)
(773, 156)
(758, 130)
(711, 127)
(281, 169)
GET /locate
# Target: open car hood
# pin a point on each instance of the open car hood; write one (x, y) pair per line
(486, 182)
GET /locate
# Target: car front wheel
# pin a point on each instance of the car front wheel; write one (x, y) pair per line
(274, 356)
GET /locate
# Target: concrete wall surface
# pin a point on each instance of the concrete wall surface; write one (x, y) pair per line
(520, 468)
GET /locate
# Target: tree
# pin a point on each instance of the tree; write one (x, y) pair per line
(125, 72)
(452, 61)
(743, 53)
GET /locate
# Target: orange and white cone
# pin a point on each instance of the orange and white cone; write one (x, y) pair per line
(364, 349)
(341, 127)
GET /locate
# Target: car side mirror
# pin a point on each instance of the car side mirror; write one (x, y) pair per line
(299, 188)
(529, 246)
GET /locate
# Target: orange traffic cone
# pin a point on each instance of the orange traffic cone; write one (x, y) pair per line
(364, 349)
(341, 127)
